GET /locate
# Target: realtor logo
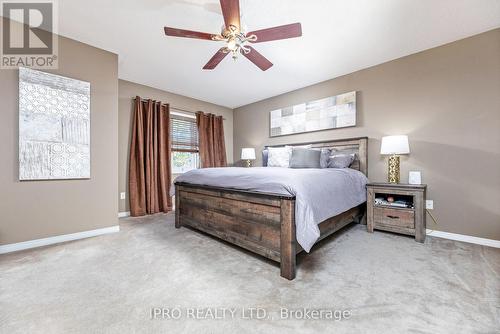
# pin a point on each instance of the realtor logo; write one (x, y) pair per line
(29, 34)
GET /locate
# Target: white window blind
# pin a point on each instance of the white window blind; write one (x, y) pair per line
(184, 134)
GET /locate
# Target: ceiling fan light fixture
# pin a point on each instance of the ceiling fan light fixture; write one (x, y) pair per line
(232, 44)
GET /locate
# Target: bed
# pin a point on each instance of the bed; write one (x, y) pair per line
(243, 206)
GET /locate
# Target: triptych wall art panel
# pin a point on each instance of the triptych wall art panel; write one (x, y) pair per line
(54, 127)
(329, 113)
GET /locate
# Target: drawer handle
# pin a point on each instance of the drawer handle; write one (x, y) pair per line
(392, 217)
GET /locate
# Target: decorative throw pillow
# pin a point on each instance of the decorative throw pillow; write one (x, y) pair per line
(325, 156)
(305, 158)
(341, 160)
(279, 156)
(265, 156)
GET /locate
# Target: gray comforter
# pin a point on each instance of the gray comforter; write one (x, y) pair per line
(319, 193)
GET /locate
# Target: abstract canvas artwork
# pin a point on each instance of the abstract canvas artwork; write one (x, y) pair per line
(54, 126)
(329, 113)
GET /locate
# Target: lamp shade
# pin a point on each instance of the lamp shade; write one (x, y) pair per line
(248, 153)
(395, 145)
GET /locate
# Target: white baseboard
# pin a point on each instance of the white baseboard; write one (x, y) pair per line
(123, 214)
(57, 239)
(464, 238)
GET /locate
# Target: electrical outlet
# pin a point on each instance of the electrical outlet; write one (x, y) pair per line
(122, 195)
(429, 204)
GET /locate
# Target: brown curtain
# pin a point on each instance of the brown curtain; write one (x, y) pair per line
(149, 166)
(211, 140)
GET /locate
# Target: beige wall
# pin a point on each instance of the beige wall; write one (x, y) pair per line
(446, 99)
(127, 91)
(38, 209)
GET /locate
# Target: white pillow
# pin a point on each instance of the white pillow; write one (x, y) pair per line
(300, 146)
(279, 156)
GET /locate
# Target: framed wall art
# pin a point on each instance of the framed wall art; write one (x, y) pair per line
(329, 113)
(54, 126)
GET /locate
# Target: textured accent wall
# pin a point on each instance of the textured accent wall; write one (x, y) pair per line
(127, 91)
(446, 99)
(38, 209)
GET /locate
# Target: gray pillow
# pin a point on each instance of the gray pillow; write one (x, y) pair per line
(305, 158)
(265, 156)
(341, 160)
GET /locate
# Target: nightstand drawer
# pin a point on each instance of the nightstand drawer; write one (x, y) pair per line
(394, 217)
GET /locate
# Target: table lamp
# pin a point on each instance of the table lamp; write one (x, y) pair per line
(248, 154)
(394, 146)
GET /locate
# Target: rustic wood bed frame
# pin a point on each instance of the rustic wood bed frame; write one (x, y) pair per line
(263, 223)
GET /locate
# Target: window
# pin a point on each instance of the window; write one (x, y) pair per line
(185, 151)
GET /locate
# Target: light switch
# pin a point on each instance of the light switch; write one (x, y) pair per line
(122, 195)
(429, 204)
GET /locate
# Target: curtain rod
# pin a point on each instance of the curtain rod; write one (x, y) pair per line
(174, 107)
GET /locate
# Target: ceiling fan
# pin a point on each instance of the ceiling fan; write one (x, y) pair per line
(237, 41)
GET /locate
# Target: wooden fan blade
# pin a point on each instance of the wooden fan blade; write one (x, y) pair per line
(276, 33)
(255, 57)
(216, 59)
(231, 12)
(187, 33)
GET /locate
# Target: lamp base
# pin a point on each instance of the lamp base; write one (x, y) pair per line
(249, 164)
(393, 169)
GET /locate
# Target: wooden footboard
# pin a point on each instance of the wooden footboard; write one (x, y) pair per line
(261, 223)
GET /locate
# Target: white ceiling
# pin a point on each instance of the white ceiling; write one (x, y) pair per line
(339, 37)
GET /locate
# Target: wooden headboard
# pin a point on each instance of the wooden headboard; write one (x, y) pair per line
(351, 145)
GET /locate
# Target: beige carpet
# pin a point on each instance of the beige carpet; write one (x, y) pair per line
(108, 284)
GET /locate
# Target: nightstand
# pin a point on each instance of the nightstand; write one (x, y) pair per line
(406, 214)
